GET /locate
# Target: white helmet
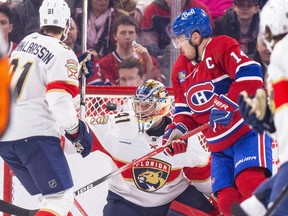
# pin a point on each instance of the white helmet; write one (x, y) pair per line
(54, 13)
(274, 19)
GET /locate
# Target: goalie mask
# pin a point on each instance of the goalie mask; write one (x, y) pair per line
(55, 13)
(150, 103)
(273, 21)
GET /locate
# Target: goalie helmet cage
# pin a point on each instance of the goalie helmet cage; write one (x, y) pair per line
(100, 100)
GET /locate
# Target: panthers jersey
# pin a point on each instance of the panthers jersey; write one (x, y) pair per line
(41, 65)
(157, 180)
(277, 89)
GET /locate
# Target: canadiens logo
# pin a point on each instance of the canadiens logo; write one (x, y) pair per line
(182, 76)
(200, 97)
(151, 174)
(72, 68)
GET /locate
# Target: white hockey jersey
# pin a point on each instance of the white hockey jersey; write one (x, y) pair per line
(41, 65)
(277, 83)
(157, 180)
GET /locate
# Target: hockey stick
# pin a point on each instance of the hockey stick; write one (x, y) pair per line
(83, 82)
(137, 161)
(15, 210)
(279, 199)
(80, 208)
(84, 49)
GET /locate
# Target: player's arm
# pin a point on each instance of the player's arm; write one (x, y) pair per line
(244, 74)
(61, 88)
(183, 119)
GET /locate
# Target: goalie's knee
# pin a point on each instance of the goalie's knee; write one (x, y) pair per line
(57, 204)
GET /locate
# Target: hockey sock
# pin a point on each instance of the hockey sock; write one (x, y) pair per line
(226, 198)
(248, 180)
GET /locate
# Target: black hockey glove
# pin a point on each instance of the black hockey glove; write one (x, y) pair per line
(83, 140)
(256, 111)
(86, 61)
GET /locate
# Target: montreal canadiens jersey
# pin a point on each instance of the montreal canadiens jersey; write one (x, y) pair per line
(39, 64)
(277, 84)
(155, 181)
(223, 69)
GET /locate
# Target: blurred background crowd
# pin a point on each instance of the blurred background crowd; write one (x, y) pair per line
(131, 38)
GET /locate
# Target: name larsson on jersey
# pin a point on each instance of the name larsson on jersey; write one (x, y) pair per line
(35, 49)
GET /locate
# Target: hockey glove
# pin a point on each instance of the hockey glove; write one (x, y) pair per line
(83, 140)
(222, 112)
(86, 61)
(256, 111)
(178, 146)
(172, 132)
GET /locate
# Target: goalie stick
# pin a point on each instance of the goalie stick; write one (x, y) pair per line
(137, 161)
(15, 210)
(18, 211)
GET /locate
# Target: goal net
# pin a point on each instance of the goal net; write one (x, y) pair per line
(99, 101)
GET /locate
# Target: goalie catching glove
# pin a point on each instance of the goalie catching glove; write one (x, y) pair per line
(86, 61)
(172, 132)
(82, 140)
(256, 111)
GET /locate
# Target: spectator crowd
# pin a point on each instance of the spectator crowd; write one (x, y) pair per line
(139, 29)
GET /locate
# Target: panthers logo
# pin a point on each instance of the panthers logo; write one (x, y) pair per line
(151, 175)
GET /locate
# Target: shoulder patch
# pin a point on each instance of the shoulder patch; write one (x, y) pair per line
(182, 76)
(72, 68)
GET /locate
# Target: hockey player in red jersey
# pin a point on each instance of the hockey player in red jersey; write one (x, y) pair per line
(159, 185)
(207, 91)
(44, 81)
(255, 110)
